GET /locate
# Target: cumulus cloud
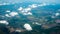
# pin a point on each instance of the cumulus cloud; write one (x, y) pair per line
(4, 22)
(28, 27)
(13, 14)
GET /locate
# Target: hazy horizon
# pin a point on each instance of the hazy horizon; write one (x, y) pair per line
(38, 1)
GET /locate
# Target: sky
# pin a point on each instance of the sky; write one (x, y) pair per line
(39, 1)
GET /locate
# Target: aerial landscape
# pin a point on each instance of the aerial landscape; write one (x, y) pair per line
(29, 17)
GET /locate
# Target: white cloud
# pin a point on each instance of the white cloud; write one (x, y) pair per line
(4, 22)
(28, 9)
(43, 4)
(37, 23)
(52, 16)
(34, 6)
(13, 14)
(18, 30)
(29, 13)
(24, 13)
(8, 11)
(28, 27)
(7, 15)
(20, 8)
(4, 3)
(57, 14)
